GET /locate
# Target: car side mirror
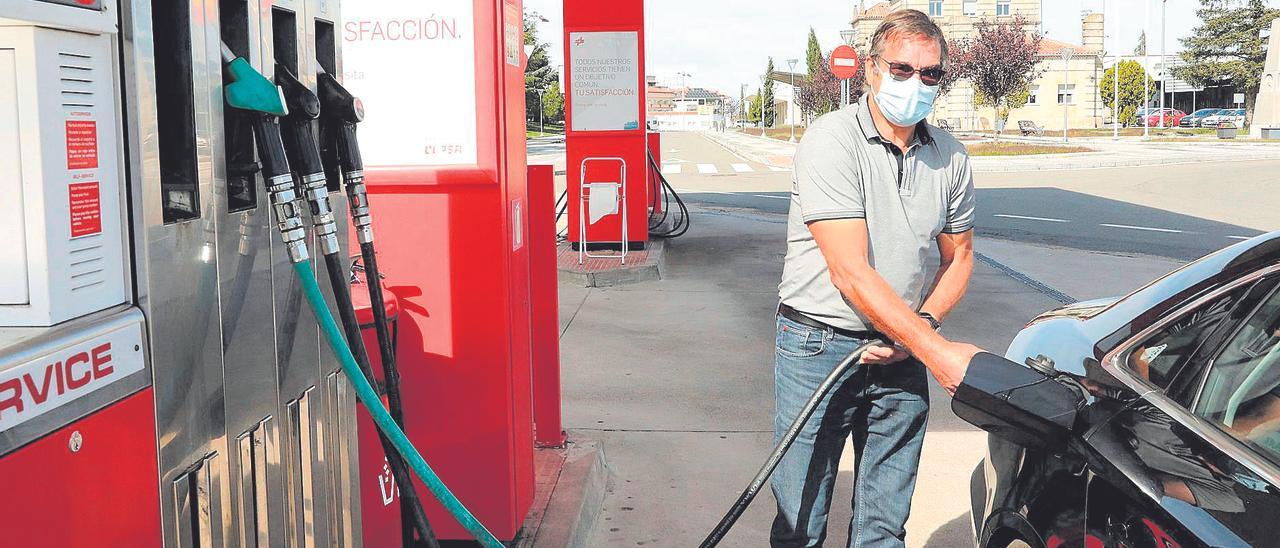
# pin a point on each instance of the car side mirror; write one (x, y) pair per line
(1017, 403)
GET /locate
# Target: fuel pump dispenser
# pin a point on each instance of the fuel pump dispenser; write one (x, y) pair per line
(248, 91)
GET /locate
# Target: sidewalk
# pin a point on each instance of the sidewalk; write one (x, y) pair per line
(1123, 153)
(674, 378)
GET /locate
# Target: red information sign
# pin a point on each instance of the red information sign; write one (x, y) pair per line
(82, 144)
(86, 209)
(844, 62)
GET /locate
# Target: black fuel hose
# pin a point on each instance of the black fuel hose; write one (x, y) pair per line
(681, 223)
(744, 500)
(303, 150)
(399, 469)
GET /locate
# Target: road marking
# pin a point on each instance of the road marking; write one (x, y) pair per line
(774, 197)
(671, 168)
(742, 168)
(1029, 218)
(1241, 237)
(776, 168)
(1147, 228)
(707, 169)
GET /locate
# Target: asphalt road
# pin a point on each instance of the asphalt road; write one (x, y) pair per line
(1181, 212)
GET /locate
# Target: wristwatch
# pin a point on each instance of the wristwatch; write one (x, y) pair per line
(933, 322)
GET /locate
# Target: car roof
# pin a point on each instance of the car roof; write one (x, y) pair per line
(1136, 311)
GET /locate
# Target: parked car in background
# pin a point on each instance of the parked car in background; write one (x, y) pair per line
(1173, 435)
(1193, 119)
(1233, 115)
(1172, 117)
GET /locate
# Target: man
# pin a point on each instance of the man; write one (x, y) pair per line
(874, 190)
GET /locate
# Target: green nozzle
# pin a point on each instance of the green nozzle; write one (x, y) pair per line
(250, 90)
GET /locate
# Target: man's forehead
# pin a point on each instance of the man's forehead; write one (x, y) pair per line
(915, 46)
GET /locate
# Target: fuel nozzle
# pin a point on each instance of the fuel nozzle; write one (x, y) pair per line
(251, 91)
(340, 111)
(303, 150)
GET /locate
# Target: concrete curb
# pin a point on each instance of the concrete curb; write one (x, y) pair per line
(650, 270)
(577, 497)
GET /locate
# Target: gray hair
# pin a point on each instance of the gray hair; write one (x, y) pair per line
(907, 23)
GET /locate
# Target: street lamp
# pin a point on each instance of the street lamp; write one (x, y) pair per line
(1066, 76)
(1163, 60)
(1146, 67)
(791, 105)
(742, 107)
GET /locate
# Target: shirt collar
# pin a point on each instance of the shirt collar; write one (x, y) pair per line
(871, 133)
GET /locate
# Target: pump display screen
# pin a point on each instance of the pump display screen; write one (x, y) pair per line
(408, 61)
(605, 80)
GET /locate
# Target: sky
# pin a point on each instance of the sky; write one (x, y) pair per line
(723, 44)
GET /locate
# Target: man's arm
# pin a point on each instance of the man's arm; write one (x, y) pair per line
(844, 244)
(954, 270)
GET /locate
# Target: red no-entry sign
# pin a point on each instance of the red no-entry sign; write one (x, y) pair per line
(844, 62)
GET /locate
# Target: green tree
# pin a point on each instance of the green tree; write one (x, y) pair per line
(1001, 61)
(1132, 76)
(1141, 48)
(553, 103)
(813, 55)
(766, 96)
(538, 73)
(1228, 46)
(753, 108)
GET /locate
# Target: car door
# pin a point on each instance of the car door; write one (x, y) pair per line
(1195, 461)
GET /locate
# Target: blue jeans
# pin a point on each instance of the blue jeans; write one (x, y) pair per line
(884, 408)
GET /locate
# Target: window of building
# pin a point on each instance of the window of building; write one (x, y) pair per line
(970, 7)
(1066, 94)
(935, 7)
(1033, 95)
(1002, 7)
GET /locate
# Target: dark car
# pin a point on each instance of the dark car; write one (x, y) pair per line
(1194, 119)
(1161, 426)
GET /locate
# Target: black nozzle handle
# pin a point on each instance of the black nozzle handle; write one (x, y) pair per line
(271, 151)
(299, 132)
(341, 111)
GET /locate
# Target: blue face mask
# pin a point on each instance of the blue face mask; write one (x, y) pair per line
(906, 102)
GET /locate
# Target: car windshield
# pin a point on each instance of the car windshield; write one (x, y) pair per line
(1204, 112)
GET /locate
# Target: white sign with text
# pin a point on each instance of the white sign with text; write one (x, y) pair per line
(605, 75)
(412, 64)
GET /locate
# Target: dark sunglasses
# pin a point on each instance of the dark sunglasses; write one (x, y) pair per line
(929, 76)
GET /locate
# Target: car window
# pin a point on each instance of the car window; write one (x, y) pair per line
(1242, 390)
(1160, 356)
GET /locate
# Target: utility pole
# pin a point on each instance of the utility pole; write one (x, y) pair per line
(742, 106)
(792, 103)
(1066, 75)
(1115, 76)
(1164, 69)
(1146, 62)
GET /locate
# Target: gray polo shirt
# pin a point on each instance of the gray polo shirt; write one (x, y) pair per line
(844, 169)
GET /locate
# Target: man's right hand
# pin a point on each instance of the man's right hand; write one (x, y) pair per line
(950, 362)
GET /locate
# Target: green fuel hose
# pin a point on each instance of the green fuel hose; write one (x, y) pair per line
(333, 335)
